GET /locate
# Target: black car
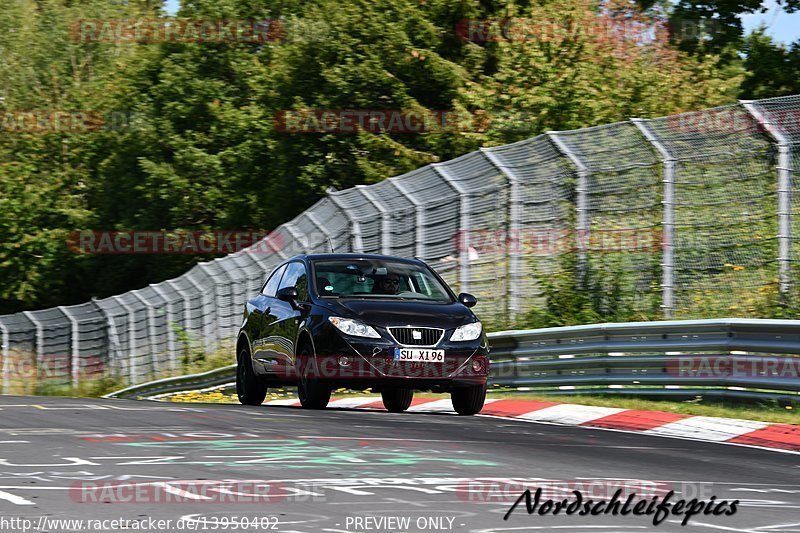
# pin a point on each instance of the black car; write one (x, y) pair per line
(361, 321)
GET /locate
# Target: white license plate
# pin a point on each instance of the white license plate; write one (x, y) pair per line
(420, 355)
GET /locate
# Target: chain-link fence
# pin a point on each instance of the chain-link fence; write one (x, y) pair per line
(688, 216)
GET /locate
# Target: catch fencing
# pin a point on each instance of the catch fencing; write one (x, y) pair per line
(687, 216)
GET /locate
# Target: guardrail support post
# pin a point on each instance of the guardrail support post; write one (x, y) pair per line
(75, 354)
(582, 200)
(464, 223)
(386, 221)
(784, 196)
(357, 244)
(668, 219)
(514, 230)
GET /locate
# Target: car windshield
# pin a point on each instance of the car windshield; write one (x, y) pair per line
(379, 279)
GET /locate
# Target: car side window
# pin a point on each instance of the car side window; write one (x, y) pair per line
(271, 287)
(296, 277)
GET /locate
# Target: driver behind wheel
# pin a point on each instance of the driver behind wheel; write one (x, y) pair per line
(388, 284)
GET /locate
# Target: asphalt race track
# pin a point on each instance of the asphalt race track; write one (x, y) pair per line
(345, 471)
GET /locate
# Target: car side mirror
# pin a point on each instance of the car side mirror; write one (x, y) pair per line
(288, 294)
(467, 299)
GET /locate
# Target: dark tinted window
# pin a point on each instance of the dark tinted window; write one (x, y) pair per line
(378, 278)
(295, 276)
(271, 286)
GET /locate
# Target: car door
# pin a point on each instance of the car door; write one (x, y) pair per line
(287, 317)
(263, 317)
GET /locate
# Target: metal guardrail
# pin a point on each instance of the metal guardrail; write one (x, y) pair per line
(737, 358)
(640, 358)
(218, 376)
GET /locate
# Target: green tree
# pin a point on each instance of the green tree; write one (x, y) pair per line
(586, 66)
(772, 69)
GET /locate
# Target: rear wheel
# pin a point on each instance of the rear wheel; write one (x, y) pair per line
(312, 392)
(397, 400)
(250, 389)
(468, 400)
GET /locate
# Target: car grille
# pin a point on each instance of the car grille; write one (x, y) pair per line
(428, 336)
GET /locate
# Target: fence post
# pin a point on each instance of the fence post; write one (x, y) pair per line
(464, 223)
(355, 225)
(39, 342)
(328, 241)
(514, 230)
(216, 331)
(172, 344)
(298, 237)
(133, 371)
(582, 201)
(278, 251)
(75, 354)
(420, 218)
(151, 331)
(112, 339)
(6, 358)
(206, 336)
(784, 196)
(188, 323)
(386, 222)
(667, 219)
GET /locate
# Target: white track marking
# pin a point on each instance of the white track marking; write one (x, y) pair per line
(691, 438)
(397, 439)
(570, 414)
(293, 401)
(345, 403)
(436, 406)
(708, 428)
(722, 528)
(16, 500)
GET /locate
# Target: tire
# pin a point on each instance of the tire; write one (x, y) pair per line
(312, 392)
(250, 389)
(397, 400)
(468, 400)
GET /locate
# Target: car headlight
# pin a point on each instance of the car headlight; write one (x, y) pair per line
(354, 327)
(467, 332)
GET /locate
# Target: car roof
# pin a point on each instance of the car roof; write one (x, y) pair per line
(335, 256)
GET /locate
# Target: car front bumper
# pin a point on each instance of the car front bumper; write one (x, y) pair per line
(370, 363)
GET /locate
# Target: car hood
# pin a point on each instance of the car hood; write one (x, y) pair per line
(404, 313)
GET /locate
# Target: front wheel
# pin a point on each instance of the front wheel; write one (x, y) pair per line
(468, 400)
(397, 400)
(311, 391)
(250, 389)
